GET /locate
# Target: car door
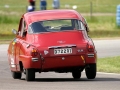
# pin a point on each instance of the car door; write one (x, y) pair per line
(19, 40)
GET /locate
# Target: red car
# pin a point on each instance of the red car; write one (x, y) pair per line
(52, 40)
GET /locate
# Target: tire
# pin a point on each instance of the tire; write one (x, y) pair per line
(76, 74)
(30, 75)
(16, 75)
(91, 71)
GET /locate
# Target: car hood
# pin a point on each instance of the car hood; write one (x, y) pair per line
(57, 38)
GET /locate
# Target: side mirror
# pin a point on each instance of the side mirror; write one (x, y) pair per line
(14, 31)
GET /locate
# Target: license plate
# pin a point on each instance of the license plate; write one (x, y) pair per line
(63, 51)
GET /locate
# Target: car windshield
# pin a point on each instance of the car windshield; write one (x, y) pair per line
(56, 25)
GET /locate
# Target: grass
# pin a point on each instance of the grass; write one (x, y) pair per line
(110, 64)
(9, 19)
(104, 23)
(105, 6)
(100, 26)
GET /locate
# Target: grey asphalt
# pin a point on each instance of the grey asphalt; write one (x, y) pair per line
(107, 48)
(63, 81)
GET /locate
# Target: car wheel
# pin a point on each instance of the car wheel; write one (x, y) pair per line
(91, 71)
(30, 74)
(16, 75)
(76, 74)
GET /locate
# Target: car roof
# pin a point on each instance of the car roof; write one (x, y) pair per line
(35, 16)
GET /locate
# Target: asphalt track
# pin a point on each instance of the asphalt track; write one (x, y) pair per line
(63, 81)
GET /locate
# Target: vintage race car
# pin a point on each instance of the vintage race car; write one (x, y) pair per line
(52, 40)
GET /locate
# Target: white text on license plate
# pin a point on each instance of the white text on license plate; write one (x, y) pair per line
(63, 51)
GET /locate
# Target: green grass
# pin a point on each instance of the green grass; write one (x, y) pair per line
(104, 23)
(6, 29)
(110, 64)
(104, 6)
(100, 26)
(9, 19)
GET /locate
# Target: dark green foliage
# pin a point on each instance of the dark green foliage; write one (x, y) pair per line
(104, 34)
(7, 19)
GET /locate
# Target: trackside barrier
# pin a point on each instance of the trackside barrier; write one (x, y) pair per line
(118, 15)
